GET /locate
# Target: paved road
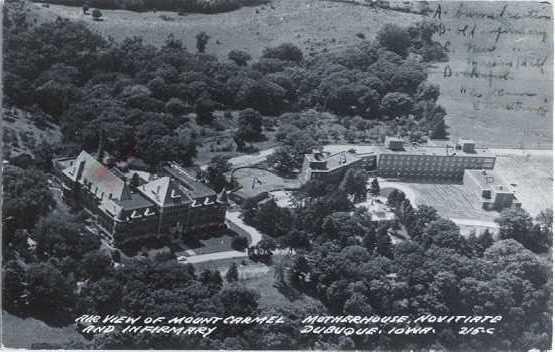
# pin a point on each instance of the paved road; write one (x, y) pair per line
(251, 159)
(214, 256)
(233, 218)
(473, 222)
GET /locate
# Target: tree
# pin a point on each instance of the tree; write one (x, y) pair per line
(239, 243)
(26, 196)
(285, 52)
(102, 296)
(135, 181)
(395, 198)
(517, 224)
(394, 38)
(444, 233)
(13, 286)
(239, 301)
(215, 172)
(240, 58)
(439, 129)
(250, 125)
(299, 270)
(62, 236)
(283, 160)
(384, 245)
(96, 264)
(354, 182)
(369, 240)
(97, 15)
(232, 274)
(267, 245)
(212, 279)
(296, 239)
(51, 295)
(85, 8)
(176, 106)
(202, 40)
(204, 109)
(375, 187)
(397, 104)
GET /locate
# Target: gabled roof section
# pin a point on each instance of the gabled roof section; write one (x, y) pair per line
(164, 192)
(99, 180)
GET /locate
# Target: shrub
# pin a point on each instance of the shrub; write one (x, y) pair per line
(286, 52)
(96, 14)
(394, 38)
(239, 57)
(240, 243)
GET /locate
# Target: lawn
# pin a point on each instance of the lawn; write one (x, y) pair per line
(452, 201)
(311, 24)
(490, 109)
(533, 177)
(255, 181)
(516, 110)
(272, 295)
(219, 242)
(23, 333)
(21, 134)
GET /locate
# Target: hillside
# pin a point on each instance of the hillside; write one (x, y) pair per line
(310, 24)
(514, 86)
(508, 101)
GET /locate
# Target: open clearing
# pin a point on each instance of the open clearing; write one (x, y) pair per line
(255, 181)
(490, 109)
(21, 134)
(509, 103)
(533, 176)
(22, 333)
(310, 24)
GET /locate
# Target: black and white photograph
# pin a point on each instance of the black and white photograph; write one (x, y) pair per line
(370, 175)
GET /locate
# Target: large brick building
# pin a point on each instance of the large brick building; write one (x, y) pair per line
(396, 159)
(171, 202)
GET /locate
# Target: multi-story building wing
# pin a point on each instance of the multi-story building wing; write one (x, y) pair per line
(397, 160)
(169, 203)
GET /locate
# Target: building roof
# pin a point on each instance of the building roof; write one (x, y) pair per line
(190, 186)
(334, 161)
(488, 179)
(136, 201)
(164, 191)
(100, 179)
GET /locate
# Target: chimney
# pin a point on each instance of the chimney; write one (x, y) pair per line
(158, 190)
(100, 150)
(80, 170)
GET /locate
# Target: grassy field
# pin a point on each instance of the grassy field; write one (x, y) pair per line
(21, 134)
(514, 105)
(310, 24)
(264, 181)
(22, 333)
(452, 201)
(533, 177)
(509, 103)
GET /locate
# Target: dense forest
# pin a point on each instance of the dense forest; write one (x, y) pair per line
(352, 266)
(181, 6)
(155, 103)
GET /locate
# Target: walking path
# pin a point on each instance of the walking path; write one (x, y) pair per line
(250, 159)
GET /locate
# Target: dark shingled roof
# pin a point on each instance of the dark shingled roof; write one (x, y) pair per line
(192, 187)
